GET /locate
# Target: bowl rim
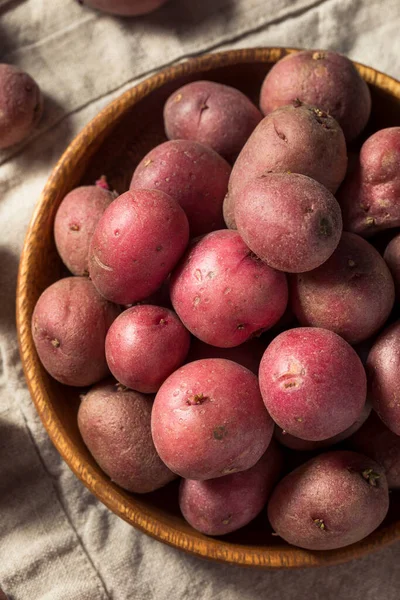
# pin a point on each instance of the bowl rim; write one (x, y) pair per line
(114, 498)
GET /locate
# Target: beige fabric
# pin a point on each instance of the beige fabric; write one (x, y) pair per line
(57, 542)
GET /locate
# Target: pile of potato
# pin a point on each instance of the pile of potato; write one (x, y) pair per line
(235, 350)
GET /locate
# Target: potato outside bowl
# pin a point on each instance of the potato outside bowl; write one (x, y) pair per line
(112, 144)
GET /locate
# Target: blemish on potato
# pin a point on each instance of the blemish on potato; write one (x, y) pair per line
(241, 326)
(178, 98)
(219, 433)
(196, 400)
(74, 227)
(325, 227)
(147, 162)
(227, 520)
(299, 419)
(318, 55)
(370, 476)
(196, 301)
(101, 264)
(198, 275)
(320, 524)
(55, 343)
(159, 248)
(351, 263)
(210, 275)
(227, 290)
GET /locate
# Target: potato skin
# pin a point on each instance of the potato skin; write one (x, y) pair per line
(369, 196)
(211, 287)
(136, 244)
(298, 138)
(248, 354)
(220, 506)
(294, 443)
(375, 440)
(352, 293)
(383, 366)
(331, 501)
(290, 221)
(124, 8)
(144, 345)
(69, 326)
(75, 222)
(324, 79)
(209, 420)
(228, 210)
(214, 114)
(313, 383)
(115, 426)
(392, 259)
(191, 173)
(21, 105)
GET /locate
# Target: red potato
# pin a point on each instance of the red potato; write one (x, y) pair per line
(294, 443)
(75, 222)
(300, 139)
(383, 366)
(333, 500)
(191, 173)
(313, 383)
(124, 8)
(216, 115)
(220, 506)
(69, 326)
(351, 294)
(290, 221)
(115, 426)
(370, 195)
(248, 354)
(392, 259)
(375, 440)
(144, 345)
(324, 79)
(212, 286)
(209, 420)
(136, 244)
(21, 105)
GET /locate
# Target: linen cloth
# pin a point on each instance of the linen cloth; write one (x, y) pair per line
(57, 542)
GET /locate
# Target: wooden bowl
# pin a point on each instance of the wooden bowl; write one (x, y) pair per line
(113, 143)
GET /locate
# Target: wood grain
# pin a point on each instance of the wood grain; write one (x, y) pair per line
(113, 143)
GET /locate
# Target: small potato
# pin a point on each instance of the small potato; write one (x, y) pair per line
(290, 221)
(370, 195)
(248, 354)
(313, 383)
(294, 443)
(216, 115)
(351, 294)
(124, 8)
(75, 222)
(392, 259)
(191, 173)
(324, 79)
(212, 287)
(69, 326)
(383, 367)
(298, 138)
(219, 506)
(209, 420)
(375, 440)
(136, 244)
(331, 501)
(144, 345)
(21, 105)
(115, 426)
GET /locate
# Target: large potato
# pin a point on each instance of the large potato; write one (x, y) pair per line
(351, 294)
(324, 79)
(290, 221)
(115, 426)
(191, 173)
(144, 345)
(331, 501)
(69, 326)
(75, 222)
(370, 195)
(21, 105)
(219, 506)
(136, 244)
(313, 383)
(209, 420)
(223, 293)
(216, 115)
(383, 367)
